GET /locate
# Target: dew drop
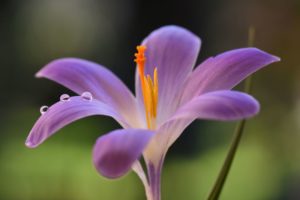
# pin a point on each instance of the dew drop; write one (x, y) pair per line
(64, 97)
(43, 109)
(87, 96)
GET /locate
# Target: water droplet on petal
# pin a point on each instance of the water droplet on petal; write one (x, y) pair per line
(64, 97)
(43, 109)
(87, 96)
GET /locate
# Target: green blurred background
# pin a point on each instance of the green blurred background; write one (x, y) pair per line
(34, 32)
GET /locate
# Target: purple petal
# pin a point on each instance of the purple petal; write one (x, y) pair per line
(65, 112)
(173, 50)
(219, 105)
(115, 152)
(81, 75)
(225, 71)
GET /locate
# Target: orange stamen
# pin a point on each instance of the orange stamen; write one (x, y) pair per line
(149, 88)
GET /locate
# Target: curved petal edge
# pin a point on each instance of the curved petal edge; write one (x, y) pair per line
(63, 113)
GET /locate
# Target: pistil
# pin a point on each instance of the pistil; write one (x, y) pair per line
(149, 88)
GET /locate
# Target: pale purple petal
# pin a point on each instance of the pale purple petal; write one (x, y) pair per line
(81, 75)
(115, 153)
(219, 105)
(173, 50)
(225, 71)
(63, 113)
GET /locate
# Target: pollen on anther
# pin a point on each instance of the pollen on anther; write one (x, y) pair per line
(140, 58)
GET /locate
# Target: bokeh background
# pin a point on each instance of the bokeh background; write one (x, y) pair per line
(34, 32)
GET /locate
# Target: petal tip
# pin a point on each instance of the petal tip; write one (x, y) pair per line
(39, 74)
(54, 64)
(276, 59)
(272, 58)
(30, 144)
(253, 106)
(115, 152)
(256, 106)
(171, 29)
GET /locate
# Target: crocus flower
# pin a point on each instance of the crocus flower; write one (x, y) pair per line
(170, 94)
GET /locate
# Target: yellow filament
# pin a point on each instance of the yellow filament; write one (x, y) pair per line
(149, 88)
(155, 91)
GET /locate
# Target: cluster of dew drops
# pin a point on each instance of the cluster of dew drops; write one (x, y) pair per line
(87, 96)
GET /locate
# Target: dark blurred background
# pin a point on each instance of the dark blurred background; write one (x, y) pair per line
(34, 32)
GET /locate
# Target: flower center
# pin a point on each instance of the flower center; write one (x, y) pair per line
(149, 87)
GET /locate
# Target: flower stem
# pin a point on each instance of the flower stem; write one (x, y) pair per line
(218, 186)
(154, 173)
(216, 191)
